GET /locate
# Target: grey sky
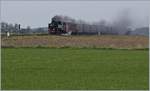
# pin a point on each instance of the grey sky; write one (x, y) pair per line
(39, 13)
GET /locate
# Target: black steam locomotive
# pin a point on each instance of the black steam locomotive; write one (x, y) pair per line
(59, 25)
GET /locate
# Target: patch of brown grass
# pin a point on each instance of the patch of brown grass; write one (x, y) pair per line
(106, 41)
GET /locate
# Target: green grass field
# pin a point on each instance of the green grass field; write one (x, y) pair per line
(76, 68)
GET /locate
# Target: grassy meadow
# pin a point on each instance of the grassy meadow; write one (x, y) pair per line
(74, 68)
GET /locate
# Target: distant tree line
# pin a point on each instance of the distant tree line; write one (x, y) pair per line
(16, 29)
(5, 27)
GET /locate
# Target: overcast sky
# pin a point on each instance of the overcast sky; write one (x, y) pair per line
(39, 13)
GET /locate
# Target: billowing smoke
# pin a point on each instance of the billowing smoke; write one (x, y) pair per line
(63, 18)
(123, 22)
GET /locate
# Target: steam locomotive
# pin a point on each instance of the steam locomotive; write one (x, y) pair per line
(61, 25)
